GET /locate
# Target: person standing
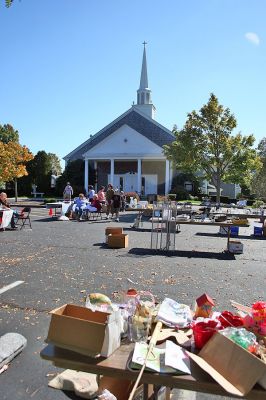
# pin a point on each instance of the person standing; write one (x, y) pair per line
(91, 193)
(123, 201)
(68, 192)
(109, 199)
(116, 205)
(101, 195)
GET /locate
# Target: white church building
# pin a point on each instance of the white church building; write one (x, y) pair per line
(129, 151)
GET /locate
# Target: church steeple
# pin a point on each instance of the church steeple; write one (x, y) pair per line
(144, 102)
(144, 75)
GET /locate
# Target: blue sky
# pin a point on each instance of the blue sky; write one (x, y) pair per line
(69, 67)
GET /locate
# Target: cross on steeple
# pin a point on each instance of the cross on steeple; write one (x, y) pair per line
(144, 43)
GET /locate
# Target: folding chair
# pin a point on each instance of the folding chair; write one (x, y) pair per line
(94, 215)
(24, 218)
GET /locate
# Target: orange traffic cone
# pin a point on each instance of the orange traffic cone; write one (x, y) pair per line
(50, 212)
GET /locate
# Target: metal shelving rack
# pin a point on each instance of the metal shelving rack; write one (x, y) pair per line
(163, 232)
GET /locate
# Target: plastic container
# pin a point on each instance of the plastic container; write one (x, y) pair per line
(203, 331)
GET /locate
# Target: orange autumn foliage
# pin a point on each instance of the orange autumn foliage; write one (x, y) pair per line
(13, 157)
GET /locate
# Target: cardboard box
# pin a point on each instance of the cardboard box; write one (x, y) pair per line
(84, 331)
(235, 247)
(112, 230)
(118, 241)
(233, 367)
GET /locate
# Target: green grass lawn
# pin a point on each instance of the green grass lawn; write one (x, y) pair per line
(194, 202)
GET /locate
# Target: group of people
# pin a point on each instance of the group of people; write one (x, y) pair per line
(113, 199)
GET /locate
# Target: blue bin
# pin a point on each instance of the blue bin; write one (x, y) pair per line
(258, 231)
(234, 230)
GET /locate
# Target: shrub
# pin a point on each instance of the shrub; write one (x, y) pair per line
(258, 203)
(172, 196)
(250, 202)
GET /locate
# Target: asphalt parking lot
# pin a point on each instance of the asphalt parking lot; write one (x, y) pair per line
(60, 261)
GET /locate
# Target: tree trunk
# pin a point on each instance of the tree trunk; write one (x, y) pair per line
(16, 190)
(218, 188)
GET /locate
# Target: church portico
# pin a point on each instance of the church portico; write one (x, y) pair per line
(144, 176)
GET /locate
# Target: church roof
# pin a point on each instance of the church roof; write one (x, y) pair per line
(143, 124)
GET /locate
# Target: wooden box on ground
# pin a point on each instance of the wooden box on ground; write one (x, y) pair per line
(84, 331)
(233, 367)
(112, 230)
(118, 241)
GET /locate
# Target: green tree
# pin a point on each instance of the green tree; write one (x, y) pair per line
(13, 156)
(8, 3)
(55, 166)
(206, 144)
(8, 134)
(40, 169)
(258, 185)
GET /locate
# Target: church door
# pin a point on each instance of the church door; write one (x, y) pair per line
(149, 184)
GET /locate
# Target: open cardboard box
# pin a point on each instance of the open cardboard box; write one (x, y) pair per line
(84, 331)
(233, 367)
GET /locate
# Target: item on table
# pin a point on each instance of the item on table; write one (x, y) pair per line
(140, 323)
(227, 318)
(174, 314)
(99, 302)
(203, 331)
(204, 306)
(242, 337)
(259, 312)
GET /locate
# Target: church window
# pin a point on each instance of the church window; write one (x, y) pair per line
(142, 98)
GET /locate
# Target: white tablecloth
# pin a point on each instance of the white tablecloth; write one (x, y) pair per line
(6, 218)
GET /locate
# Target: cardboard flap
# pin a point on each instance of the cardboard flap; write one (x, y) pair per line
(233, 367)
(83, 313)
(215, 374)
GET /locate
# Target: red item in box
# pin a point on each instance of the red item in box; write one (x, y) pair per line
(203, 331)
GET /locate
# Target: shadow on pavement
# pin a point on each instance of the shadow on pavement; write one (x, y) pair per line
(140, 252)
(217, 235)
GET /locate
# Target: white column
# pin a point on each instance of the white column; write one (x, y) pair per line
(139, 176)
(170, 175)
(96, 176)
(86, 175)
(112, 170)
(167, 176)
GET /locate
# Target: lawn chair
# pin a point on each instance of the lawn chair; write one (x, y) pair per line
(23, 218)
(94, 215)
